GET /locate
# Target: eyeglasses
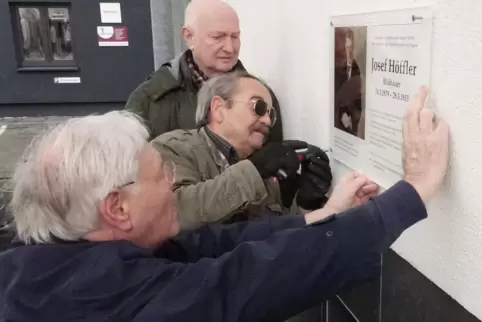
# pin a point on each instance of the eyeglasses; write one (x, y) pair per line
(169, 171)
(260, 108)
(169, 168)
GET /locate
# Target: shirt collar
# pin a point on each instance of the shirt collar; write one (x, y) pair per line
(223, 146)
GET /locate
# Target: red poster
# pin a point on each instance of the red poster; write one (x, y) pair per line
(109, 36)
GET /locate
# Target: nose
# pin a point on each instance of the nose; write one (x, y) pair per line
(228, 45)
(265, 119)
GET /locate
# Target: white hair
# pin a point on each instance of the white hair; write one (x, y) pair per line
(68, 171)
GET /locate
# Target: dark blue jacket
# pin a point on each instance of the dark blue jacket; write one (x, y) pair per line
(256, 271)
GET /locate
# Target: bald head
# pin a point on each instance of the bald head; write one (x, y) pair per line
(201, 12)
(211, 30)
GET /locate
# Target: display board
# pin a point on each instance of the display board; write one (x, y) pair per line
(380, 60)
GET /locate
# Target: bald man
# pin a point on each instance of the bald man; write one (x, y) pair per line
(167, 99)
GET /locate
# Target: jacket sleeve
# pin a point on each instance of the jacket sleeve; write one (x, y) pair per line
(216, 240)
(156, 112)
(139, 103)
(292, 269)
(203, 201)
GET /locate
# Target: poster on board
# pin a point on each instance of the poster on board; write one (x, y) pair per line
(110, 12)
(380, 60)
(112, 36)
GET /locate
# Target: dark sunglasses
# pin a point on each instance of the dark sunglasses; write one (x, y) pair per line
(261, 107)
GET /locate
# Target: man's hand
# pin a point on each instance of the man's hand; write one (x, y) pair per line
(346, 120)
(274, 156)
(425, 148)
(353, 190)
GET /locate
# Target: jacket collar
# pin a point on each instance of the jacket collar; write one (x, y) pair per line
(218, 157)
(174, 75)
(179, 68)
(223, 146)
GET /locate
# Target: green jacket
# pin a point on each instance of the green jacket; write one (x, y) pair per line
(167, 100)
(207, 189)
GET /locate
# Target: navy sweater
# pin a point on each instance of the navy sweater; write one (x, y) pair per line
(256, 271)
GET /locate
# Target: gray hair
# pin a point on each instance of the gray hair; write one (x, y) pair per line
(69, 170)
(223, 86)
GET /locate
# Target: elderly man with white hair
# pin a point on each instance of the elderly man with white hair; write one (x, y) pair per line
(98, 233)
(166, 100)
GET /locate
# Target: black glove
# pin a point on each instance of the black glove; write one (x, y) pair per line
(274, 156)
(314, 182)
(288, 188)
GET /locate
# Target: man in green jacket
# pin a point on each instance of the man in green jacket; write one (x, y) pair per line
(225, 171)
(167, 99)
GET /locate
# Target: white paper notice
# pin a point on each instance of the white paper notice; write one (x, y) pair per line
(377, 69)
(67, 80)
(399, 63)
(110, 12)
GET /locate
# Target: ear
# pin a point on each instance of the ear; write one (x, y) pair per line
(115, 211)
(217, 109)
(188, 37)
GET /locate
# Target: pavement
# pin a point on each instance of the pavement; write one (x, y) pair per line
(15, 135)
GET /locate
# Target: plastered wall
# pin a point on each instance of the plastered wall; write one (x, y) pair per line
(287, 44)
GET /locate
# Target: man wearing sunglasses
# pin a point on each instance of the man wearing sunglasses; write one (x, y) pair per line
(226, 172)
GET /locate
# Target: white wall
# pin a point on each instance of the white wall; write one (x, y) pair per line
(287, 44)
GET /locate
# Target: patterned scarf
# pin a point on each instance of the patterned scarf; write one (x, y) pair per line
(198, 77)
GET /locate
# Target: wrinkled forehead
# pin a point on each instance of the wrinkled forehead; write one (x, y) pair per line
(223, 20)
(249, 88)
